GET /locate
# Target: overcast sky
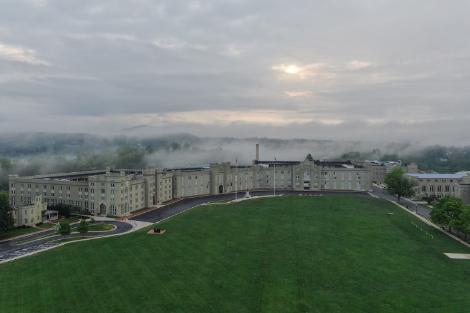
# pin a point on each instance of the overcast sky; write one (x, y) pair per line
(361, 69)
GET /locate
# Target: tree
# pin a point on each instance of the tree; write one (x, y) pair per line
(83, 227)
(64, 228)
(6, 217)
(465, 217)
(447, 212)
(398, 184)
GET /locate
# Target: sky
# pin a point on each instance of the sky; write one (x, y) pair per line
(373, 70)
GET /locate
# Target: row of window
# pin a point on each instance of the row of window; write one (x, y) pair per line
(438, 188)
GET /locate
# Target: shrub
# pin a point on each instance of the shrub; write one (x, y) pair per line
(64, 228)
(83, 227)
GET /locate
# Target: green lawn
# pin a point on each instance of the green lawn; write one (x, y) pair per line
(95, 227)
(100, 227)
(296, 254)
(46, 225)
(70, 220)
(17, 232)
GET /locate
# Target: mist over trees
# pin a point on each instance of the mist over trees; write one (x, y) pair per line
(38, 153)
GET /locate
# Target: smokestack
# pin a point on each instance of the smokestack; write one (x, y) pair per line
(257, 152)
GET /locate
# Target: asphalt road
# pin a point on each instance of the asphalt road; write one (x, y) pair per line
(34, 242)
(410, 204)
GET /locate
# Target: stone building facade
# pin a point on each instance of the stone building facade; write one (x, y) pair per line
(430, 185)
(30, 215)
(120, 192)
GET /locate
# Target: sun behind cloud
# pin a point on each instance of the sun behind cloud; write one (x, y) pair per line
(292, 69)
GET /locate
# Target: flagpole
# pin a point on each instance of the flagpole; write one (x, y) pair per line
(236, 179)
(274, 176)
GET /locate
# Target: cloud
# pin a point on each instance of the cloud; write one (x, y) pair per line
(39, 3)
(102, 36)
(241, 68)
(298, 93)
(303, 71)
(358, 65)
(226, 117)
(19, 54)
(232, 50)
(171, 43)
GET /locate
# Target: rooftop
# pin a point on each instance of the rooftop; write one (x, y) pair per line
(277, 162)
(82, 175)
(437, 175)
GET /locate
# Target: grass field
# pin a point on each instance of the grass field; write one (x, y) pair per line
(100, 227)
(17, 232)
(96, 227)
(294, 254)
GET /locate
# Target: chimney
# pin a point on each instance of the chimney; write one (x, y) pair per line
(257, 152)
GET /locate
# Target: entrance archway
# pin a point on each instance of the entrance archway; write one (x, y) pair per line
(221, 189)
(306, 181)
(102, 209)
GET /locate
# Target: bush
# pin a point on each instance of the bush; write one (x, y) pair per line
(432, 199)
(83, 227)
(64, 228)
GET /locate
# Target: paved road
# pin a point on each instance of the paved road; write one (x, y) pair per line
(34, 242)
(410, 204)
(186, 204)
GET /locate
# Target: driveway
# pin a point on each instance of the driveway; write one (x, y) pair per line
(35, 242)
